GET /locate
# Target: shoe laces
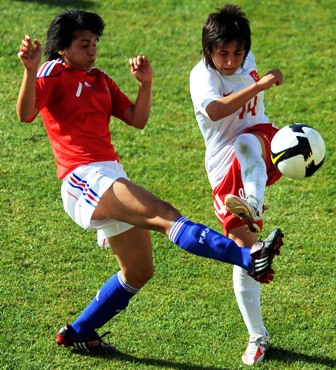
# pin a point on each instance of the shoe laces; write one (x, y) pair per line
(260, 342)
(104, 335)
(241, 193)
(100, 339)
(100, 347)
(251, 200)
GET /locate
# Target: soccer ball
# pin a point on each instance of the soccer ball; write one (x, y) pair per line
(298, 151)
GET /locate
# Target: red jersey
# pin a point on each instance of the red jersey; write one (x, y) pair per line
(76, 107)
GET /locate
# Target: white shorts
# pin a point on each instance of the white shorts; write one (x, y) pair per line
(81, 192)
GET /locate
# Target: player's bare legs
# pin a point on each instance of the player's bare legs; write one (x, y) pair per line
(128, 202)
(242, 237)
(133, 251)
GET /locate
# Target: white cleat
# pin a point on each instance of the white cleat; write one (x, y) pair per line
(245, 210)
(255, 351)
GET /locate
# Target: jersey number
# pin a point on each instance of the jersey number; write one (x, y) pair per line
(249, 108)
(220, 209)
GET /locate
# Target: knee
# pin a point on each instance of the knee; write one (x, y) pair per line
(138, 277)
(242, 143)
(247, 143)
(146, 274)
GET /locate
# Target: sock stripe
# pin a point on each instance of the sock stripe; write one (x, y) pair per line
(176, 228)
(127, 287)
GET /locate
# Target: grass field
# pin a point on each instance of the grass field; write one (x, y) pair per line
(186, 317)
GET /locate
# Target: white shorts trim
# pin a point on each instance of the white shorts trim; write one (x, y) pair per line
(81, 192)
(116, 228)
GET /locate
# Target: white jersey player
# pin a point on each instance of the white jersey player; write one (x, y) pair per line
(208, 85)
(227, 96)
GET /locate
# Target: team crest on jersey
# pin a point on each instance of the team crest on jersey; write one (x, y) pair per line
(254, 75)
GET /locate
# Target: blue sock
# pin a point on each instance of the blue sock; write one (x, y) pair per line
(112, 298)
(201, 240)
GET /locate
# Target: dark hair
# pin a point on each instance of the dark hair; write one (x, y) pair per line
(228, 24)
(64, 27)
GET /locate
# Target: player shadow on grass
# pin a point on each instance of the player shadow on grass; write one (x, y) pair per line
(120, 356)
(274, 353)
(280, 354)
(82, 4)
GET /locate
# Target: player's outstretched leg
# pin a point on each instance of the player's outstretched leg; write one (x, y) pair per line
(201, 240)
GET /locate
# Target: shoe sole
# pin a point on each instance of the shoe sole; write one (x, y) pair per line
(236, 207)
(93, 346)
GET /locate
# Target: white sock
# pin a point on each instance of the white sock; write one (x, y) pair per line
(247, 292)
(253, 168)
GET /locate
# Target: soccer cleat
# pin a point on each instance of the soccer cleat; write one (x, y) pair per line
(255, 351)
(262, 254)
(93, 344)
(245, 209)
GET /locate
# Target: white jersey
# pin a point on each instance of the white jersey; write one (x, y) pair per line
(207, 85)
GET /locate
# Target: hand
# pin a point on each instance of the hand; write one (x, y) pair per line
(141, 68)
(272, 77)
(29, 52)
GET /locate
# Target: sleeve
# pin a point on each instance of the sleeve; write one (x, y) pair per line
(120, 102)
(43, 91)
(47, 79)
(204, 87)
(42, 95)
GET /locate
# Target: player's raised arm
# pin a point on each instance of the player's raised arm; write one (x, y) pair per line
(30, 56)
(138, 114)
(273, 77)
(224, 107)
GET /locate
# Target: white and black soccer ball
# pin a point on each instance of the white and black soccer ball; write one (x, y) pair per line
(298, 150)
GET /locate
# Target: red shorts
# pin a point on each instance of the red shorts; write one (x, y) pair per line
(233, 184)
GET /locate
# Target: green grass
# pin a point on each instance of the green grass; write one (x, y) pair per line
(186, 317)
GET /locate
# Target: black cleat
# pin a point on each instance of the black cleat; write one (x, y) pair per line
(93, 344)
(262, 254)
